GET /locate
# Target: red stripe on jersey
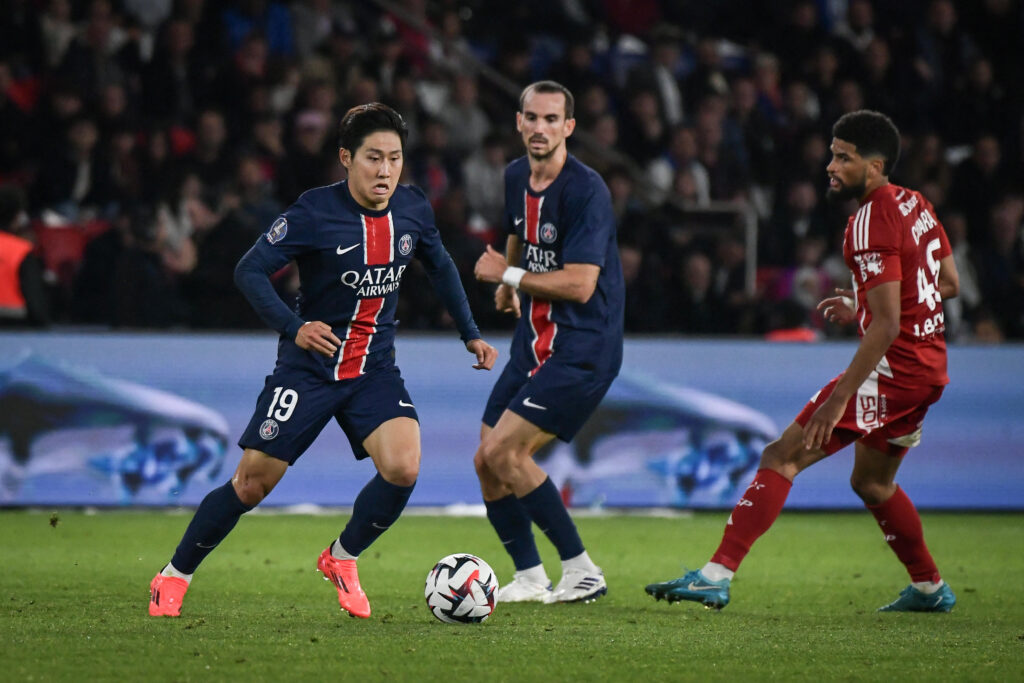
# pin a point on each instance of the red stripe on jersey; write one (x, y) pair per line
(378, 250)
(379, 240)
(544, 331)
(352, 355)
(532, 228)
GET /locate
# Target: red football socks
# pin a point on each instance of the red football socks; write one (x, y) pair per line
(899, 521)
(753, 515)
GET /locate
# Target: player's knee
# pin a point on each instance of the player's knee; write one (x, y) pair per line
(482, 470)
(776, 456)
(401, 471)
(871, 491)
(492, 457)
(250, 490)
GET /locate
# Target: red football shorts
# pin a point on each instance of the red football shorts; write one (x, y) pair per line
(884, 414)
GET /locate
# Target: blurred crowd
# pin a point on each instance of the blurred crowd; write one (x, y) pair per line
(145, 144)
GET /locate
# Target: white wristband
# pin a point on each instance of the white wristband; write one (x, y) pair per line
(513, 276)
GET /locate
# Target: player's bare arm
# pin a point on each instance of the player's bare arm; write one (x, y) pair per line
(949, 278)
(840, 308)
(317, 336)
(575, 282)
(884, 304)
(506, 299)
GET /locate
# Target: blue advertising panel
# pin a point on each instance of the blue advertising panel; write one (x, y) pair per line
(146, 419)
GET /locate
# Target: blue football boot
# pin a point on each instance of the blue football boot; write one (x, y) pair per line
(913, 600)
(692, 586)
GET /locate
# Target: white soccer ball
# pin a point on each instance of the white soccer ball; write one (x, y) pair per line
(461, 589)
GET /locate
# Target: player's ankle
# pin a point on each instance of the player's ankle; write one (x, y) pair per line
(581, 561)
(172, 572)
(927, 587)
(714, 571)
(534, 574)
(338, 551)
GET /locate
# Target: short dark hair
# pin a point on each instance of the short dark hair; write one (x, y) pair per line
(549, 87)
(365, 119)
(872, 133)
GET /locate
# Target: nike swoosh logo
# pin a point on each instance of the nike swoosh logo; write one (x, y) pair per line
(406, 405)
(517, 221)
(696, 587)
(530, 404)
(206, 547)
(346, 249)
(378, 526)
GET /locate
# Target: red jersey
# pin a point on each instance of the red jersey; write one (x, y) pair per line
(895, 237)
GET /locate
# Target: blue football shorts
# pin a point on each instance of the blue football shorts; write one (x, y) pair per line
(295, 405)
(558, 398)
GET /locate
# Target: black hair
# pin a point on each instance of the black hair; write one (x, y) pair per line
(549, 87)
(872, 133)
(365, 119)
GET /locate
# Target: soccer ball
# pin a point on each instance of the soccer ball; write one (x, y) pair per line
(461, 589)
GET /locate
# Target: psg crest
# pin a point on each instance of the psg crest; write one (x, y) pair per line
(278, 230)
(269, 430)
(548, 233)
(405, 244)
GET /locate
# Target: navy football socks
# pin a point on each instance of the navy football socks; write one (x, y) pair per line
(545, 507)
(510, 519)
(215, 517)
(377, 507)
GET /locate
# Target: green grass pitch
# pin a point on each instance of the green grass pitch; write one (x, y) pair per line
(803, 607)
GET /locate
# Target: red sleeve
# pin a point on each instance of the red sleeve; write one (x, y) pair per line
(944, 247)
(876, 246)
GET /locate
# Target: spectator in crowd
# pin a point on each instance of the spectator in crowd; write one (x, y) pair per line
(1001, 265)
(173, 81)
(978, 105)
(944, 51)
(681, 155)
(74, 180)
(926, 164)
(858, 30)
(709, 75)
(977, 182)
(146, 293)
(464, 120)
(57, 31)
(106, 106)
(245, 18)
(23, 298)
(801, 216)
(576, 71)
(642, 130)
(406, 101)
(963, 311)
(662, 74)
(99, 54)
(484, 172)
(604, 134)
(210, 158)
(697, 307)
(14, 149)
(310, 158)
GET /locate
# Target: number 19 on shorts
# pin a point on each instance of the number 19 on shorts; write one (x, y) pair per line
(285, 402)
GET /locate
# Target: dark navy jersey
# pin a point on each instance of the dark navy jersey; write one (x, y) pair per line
(571, 221)
(350, 261)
